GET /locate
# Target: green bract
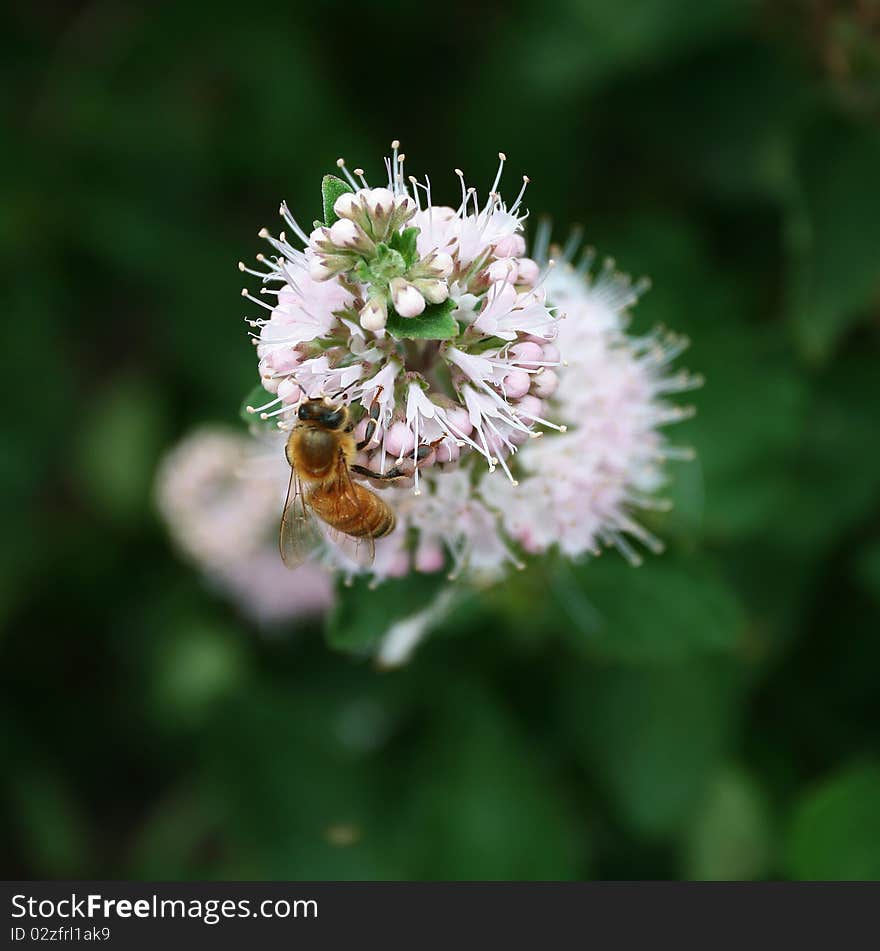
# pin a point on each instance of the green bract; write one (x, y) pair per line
(387, 265)
(434, 323)
(405, 243)
(331, 188)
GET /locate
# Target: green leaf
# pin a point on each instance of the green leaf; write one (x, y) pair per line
(195, 664)
(318, 775)
(728, 838)
(652, 738)
(171, 840)
(666, 610)
(49, 820)
(256, 397)
(331, 188)
(841, 423)
(388, 264)
(434, 323)
(405, 243)
(868, 569)
(835, 834)
(121, 439)
(835, 234)
(484, 802)
(361, 616)
(591, 44)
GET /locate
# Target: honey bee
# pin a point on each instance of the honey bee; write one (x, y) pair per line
(321, 450)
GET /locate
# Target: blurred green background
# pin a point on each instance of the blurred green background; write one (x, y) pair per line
(712, 714)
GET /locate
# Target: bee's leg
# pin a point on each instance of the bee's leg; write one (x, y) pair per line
(395, 472)
(372, 422)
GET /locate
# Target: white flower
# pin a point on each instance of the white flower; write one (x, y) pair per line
(511, 314)
(395, 281)
(578, 489)
(454, 352)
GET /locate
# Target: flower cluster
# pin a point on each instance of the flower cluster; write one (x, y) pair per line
(367, 244)
(429, 316)
(220, 493)
(433, 321)
(578, 490)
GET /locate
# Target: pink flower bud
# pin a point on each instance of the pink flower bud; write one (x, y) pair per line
(347, 206)
(503, 270)
(405, 204)
(448, 451)
(346, 234)
(399, 565)
(513, 246)
(400, 440)
(360, 431)
(551, 353)
(528, 272)
(529, 543)
(441, 264)
(374, 314)
(434, 292)
(318, 270)
(528, 355)
(516, 384)
(379, 202)
(528, 408)
(460, 419)
(429, 556)
(408, 302)
(544, 384)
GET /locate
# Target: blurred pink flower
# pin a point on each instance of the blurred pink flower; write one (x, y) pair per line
(220, 497)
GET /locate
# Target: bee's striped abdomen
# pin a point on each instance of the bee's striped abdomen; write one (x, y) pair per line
(357, 512)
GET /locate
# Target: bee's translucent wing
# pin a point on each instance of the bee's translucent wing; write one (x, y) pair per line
(299, 538)
(359, 549)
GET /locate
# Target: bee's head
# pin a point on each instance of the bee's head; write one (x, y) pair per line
(324, 414)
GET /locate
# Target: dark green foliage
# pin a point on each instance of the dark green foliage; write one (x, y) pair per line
(712, 714)
(434, 323)
(331, 188)
(835, 830)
